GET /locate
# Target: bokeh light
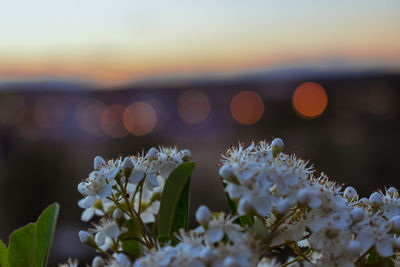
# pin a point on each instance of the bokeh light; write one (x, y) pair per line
(247, 107)
(309, 100)
(87, 115)
(140, 118)
(49, 111)
(111, 121)
(193, 106)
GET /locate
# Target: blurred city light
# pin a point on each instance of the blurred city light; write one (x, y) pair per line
(247, 107)
(139, 118)
(193, 106)
(309, 100)
(87, 115)
(111, 121)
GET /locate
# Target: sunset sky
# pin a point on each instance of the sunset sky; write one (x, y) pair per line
(116, 41)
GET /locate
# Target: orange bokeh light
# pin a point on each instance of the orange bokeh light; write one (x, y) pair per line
(247, 107)
(193, 106)
(310, 100)
(111, 121)
(140, 118)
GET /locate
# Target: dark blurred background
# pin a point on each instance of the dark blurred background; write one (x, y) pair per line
(86, 78)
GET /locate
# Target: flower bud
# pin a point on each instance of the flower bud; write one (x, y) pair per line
(396, 243)
(127, 164)
(391, 190)
(98, 262)
(375, 200)
(152, 154)
(349, 193)
(98, 162)
(186, 155)
(357, 214)
(283, 207)
(277, 146)
(203, 215)
(87, 238)
(226, 173)
(123, 260)
(354, 248)
(395, 222)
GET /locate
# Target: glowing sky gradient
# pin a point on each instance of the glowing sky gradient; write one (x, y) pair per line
(115, 41)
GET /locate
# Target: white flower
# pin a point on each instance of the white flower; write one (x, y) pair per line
(105, 232)
(203, 215)
(374, 230)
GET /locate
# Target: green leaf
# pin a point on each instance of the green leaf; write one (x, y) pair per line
(174, 205)
(30, 245)
(3, 255)
(131, 247)
(45, 227)
(22, 246)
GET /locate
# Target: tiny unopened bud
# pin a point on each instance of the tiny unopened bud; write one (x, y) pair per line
(186, 155)
(203, 215)
(357, 214)
(245, 206)
(375, 200)
(123, 260)
(152, 154)
(349, 193)
(98, 162)
(392, 190)
(354, 248)
(283, 207)
(395, 222)
(226, 173)
(98, 262)
(127, 164)
(277, 146)
(86, 238)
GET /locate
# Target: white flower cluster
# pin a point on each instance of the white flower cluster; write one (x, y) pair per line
(335, 226)
(125, 189)
(280, 210)
(218, 242)
(151, 169)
